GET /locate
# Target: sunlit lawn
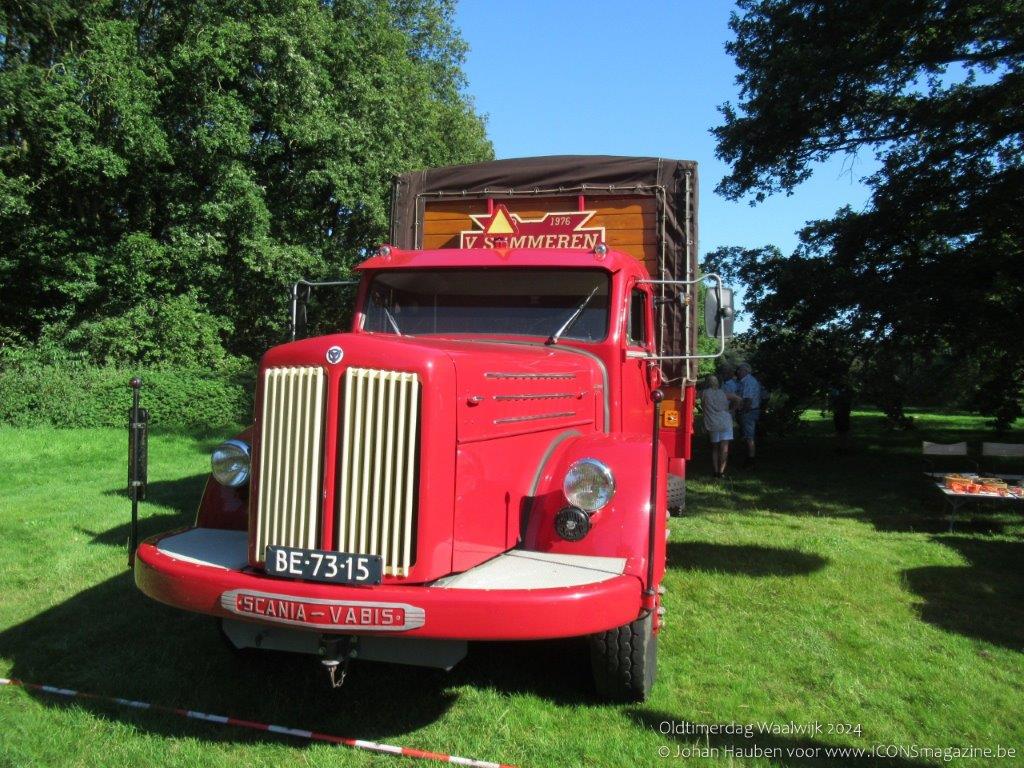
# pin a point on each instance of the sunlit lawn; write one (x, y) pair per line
(822, 588)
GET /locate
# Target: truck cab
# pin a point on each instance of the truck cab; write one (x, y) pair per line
(482, 456)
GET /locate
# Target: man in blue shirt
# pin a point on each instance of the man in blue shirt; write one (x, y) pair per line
(750, 411)
(727, 375)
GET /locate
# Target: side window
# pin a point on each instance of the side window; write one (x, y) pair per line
(637, 318)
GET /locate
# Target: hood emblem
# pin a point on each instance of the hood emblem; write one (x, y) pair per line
(334, 355)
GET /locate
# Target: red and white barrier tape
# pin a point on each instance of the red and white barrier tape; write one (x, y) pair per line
(299, 733)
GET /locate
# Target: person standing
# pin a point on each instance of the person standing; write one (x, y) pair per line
(729, 381)
(715, 404)
(731, 385)
(841, 402)
(750, 410)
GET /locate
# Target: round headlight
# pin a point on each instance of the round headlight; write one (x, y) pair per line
(588, 484)
(230, 463)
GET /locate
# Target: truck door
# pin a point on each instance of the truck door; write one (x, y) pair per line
(638, 343)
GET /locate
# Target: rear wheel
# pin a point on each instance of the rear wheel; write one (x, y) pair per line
(676, 495)
(625, 660)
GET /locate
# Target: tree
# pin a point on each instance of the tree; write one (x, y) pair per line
(933, 88)
(168, 168)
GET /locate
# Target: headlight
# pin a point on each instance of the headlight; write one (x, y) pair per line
(230, 463)
(588, 484)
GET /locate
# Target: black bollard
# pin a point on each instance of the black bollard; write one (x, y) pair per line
(138, 459)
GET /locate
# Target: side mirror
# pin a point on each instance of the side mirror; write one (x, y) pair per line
(718, 312)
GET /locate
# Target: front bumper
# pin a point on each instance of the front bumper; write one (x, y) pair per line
(517, 596)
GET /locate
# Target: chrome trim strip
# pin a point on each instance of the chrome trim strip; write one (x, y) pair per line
(506, 375)
(541, 396)
(547, 455)
(529, 429)
(600, 364)
(524, 519)
(534, 417)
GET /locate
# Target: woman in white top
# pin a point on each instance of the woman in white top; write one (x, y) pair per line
(716, 404)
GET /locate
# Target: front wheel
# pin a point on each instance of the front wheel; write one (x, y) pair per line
(625, 660)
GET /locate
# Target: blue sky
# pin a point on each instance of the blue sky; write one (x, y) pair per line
(631, 78)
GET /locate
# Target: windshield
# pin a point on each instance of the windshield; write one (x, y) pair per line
(497, 302)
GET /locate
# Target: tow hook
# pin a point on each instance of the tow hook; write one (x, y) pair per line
(335, 655)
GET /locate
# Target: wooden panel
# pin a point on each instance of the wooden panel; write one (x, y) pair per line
(631, 204)
(631, 237)
(440, 241)
(645, 252)
(624, 221)
(632, 229)
(534, 207)
(445, 208)
(448, 226)
(630, 221)
(620, 240)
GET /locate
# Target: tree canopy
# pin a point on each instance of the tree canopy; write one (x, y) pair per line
(931, 268)
(167, 168)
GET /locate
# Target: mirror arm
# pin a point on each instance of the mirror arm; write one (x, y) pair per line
(719, 329)
(309, 285)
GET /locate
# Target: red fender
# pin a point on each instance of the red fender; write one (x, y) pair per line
(621, 529)
(224, 507)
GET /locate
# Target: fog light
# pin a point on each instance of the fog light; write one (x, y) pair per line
(572, 523)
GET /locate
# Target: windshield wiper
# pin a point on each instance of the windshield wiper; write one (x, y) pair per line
(553, 338)
(391, 319)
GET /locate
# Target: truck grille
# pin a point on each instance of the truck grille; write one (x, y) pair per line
(290, 458)
(377, 494)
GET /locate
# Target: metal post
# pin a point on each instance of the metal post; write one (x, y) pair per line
(656, 397)
(295, 310)
(138, 456)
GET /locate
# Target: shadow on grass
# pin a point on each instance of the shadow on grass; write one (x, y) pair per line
(180, 496)
(983, 600)
(747, 560)
(112, 640)
(785, 751)
(880, 482)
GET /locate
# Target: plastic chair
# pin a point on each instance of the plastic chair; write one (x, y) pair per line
(955, 455)
(1003, 451)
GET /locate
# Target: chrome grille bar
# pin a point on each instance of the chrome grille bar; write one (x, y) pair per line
(376, 500)
(290, 458)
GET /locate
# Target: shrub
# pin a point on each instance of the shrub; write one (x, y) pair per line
(78, 395)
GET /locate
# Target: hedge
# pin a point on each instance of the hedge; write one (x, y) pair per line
(78, 395)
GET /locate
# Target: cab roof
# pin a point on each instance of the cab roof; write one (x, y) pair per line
(612, 261)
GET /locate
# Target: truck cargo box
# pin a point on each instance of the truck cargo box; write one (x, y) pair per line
(644, 206)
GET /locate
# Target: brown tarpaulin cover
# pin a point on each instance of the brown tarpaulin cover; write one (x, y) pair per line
(672, 184)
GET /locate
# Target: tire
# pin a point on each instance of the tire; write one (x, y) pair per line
(676, 495)
(625, 661)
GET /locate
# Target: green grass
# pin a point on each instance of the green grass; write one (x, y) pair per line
(820, 588)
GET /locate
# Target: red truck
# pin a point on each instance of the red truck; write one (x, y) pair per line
(490, 452)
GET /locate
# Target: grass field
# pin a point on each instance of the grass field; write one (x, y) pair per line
(820, 589)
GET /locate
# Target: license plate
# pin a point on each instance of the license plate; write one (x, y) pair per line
(321, 565)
